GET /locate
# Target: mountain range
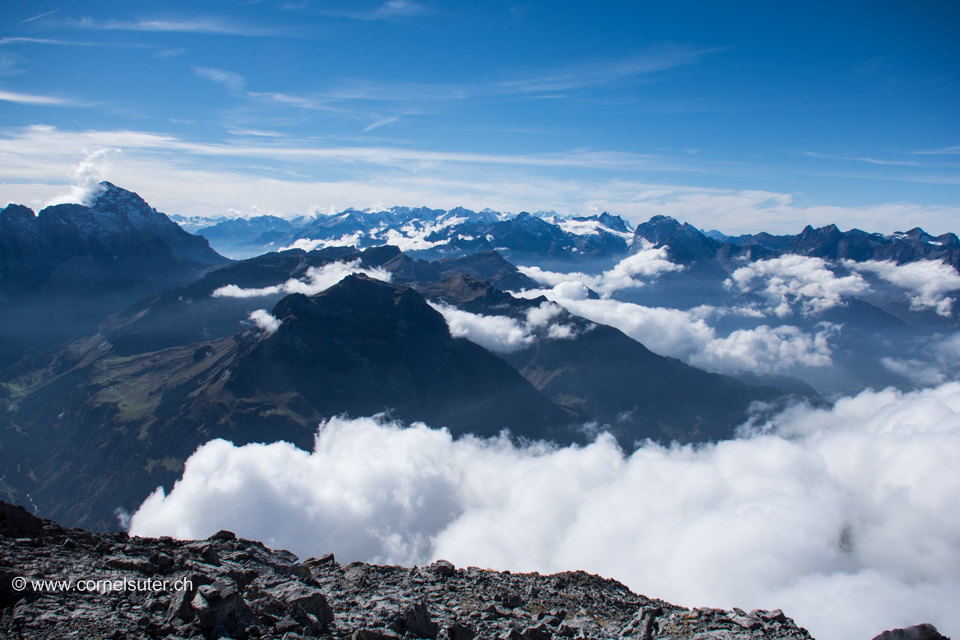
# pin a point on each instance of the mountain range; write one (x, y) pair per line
(128, 342)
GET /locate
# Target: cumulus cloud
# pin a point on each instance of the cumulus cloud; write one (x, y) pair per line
(85, 179)
(649, 262)
(503, 334)
(767, 349)
(793, 279)
(929, 280)
(266, 322)
(844, 517)
(686, 334)
(318, 279)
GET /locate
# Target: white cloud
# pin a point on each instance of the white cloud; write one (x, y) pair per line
(649, 262)
(928, 279)
(86, 179)
(266, 322)
(845, 518)
(500, 334)
(797, 279)
(318, 279)
(503, 334)
(686, 334)
(767, 349)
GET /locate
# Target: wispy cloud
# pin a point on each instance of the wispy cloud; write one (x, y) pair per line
(402, 98)
(72, 43)
(380, 123)
(232, 81)
(42, 15)
(604, 72)
(827, 156)
(28, 98)
(255, 132)
(195, 25)
(392, 10)
(945, 150)
(169, 53)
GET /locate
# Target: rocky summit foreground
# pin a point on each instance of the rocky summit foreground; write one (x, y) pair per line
(69, 583)
(59, 583)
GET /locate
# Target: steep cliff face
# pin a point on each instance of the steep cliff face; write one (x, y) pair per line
(226, 586)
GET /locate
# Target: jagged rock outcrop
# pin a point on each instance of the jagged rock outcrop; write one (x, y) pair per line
(230, 587)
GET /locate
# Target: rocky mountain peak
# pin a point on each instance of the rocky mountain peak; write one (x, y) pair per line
(613, 222)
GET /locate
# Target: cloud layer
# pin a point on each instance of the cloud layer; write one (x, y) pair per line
(845, 518)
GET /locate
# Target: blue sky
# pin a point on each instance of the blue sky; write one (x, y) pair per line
(759, 116)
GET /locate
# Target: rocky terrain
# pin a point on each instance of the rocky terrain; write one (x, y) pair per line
(242, 589)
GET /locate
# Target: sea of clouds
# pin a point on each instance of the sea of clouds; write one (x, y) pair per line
(845, 517)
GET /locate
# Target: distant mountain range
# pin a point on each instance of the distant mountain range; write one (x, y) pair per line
(553, 237)
(127, 342)
(430, 233)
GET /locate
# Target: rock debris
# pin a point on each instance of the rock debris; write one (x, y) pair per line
(241, 589)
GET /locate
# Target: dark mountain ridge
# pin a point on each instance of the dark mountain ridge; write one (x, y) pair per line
(618, 383)
(184, 315)
(825, 242)
(90, 430)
